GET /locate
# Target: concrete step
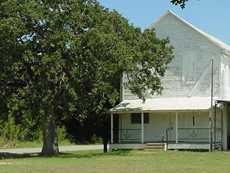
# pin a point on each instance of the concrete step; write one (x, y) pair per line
(154, 146)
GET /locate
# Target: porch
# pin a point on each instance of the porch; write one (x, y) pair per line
(175, 129)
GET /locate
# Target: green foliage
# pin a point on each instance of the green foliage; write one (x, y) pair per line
(9, 132)
(64, 59)
(179, 2)
(94, 139)
(61, 133)
(30, 130)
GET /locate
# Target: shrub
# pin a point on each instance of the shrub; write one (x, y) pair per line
(10, 131)
(61, 133)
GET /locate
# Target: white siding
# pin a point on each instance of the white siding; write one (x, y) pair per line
(191, 65)
(225, 77)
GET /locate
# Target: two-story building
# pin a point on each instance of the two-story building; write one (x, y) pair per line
(185, 115)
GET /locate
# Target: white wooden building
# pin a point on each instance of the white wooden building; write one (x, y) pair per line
(180, 116)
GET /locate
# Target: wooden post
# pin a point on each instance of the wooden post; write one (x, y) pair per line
(176, 127)
(142, 127)
(111, 128)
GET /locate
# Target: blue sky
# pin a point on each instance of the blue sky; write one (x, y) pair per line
(211, 16)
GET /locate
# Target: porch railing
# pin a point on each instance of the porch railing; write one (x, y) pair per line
(127, 135)
(193, 135)
(190, 135)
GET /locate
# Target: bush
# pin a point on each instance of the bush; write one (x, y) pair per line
(61, 134)
(94, 139)
(10, 132)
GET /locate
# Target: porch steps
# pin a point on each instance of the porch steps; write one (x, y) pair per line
(154, 146)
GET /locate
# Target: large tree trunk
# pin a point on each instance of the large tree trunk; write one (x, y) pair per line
(50, 141)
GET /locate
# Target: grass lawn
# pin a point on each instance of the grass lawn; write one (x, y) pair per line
(141, 161)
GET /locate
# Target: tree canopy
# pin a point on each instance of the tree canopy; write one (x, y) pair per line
(179, 2)
(65, 59)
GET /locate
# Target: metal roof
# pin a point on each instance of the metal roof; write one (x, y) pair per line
(164, 104)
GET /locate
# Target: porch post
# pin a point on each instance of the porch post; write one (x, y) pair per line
(111, 128)
(142, 127)
(176, 127)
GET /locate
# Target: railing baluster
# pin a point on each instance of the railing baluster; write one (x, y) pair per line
(192, 135)
(186, 135)
(129, 135)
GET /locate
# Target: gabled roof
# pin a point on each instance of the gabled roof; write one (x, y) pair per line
(210, 38)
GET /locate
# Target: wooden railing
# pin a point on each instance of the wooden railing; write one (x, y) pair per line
(127, 135)
(190, 135)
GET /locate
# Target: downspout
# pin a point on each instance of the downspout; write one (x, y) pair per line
(211, 112)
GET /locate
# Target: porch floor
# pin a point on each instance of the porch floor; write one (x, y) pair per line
(188, 146)
(170, 146)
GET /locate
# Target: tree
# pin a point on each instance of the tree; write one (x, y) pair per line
(111, 48)
(39, 46)
(179, 2)
(65, 59)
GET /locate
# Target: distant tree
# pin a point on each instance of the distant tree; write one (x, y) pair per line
(64, 59)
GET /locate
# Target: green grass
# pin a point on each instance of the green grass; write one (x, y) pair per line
(121, 162)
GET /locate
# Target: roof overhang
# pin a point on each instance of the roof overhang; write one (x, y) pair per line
(164, 105)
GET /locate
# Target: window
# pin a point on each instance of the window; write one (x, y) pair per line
(193, 121)
(146, 118)
(136, 118)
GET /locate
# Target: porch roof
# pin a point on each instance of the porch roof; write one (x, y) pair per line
(163, 104)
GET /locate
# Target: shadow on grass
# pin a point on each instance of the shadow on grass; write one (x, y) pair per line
(16, 156)
(90, 154)
(77, 154)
